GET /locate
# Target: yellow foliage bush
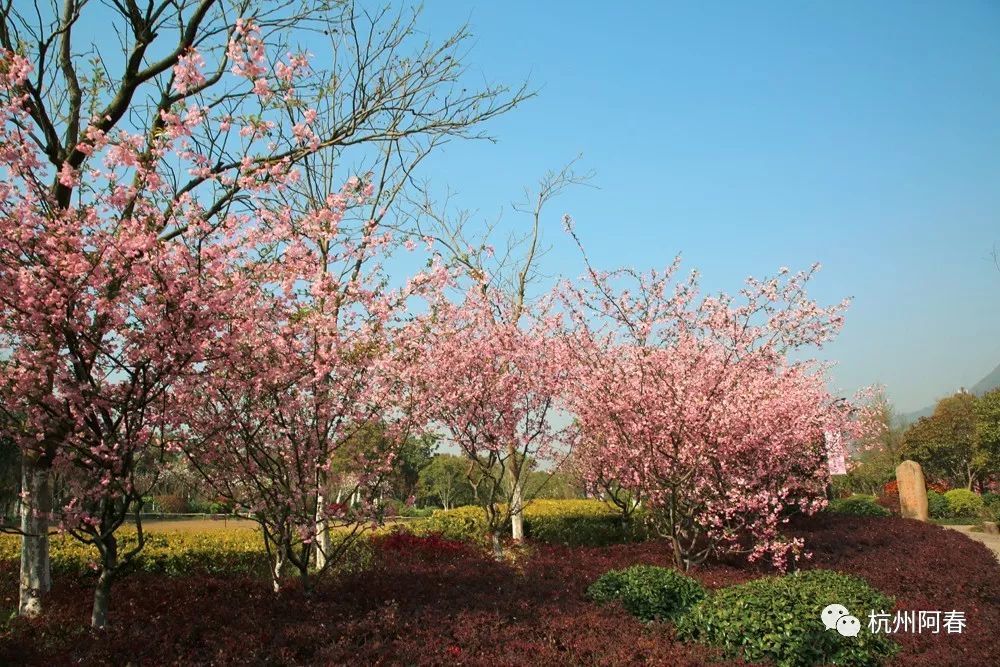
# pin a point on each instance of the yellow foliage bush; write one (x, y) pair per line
(234, 551)
(237, 551)
(569, 522)
(240, 550)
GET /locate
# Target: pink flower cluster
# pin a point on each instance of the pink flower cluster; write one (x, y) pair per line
(692, 406)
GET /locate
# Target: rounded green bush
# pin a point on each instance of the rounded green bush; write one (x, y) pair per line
(964, 503)
(937, 505)
(778, 619)
(648, 592)
(858, 505)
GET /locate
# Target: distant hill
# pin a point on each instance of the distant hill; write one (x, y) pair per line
(988, 383)
(909, 417)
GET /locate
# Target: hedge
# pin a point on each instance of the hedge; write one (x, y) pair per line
(858, 505)
(239, 551)
(566, 522)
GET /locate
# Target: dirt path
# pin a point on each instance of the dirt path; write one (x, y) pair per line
(991, 541)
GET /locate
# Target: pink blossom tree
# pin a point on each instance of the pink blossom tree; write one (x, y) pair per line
(491, 384)
(694, 405)
(101, 315)
(502, 315)
(130, 195)
(298, 394)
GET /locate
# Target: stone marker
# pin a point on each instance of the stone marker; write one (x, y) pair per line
(912, 491)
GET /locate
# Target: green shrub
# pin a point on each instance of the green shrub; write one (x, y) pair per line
(778, 619)
(841, 485)
(991, 506)
(858, 505)
(963, 503)
(210, 507)
(937, 505)
(414, 511)
(218, 507)
(648, 592)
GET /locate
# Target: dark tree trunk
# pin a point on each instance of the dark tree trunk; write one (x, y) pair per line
(102, 594)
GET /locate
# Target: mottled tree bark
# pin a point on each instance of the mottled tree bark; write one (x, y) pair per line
(102, 596)
(322, 532)
(36, 505)
(277, 566)
(517, 510)
(102, 593)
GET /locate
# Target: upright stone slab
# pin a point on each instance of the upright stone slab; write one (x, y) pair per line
(912, 491)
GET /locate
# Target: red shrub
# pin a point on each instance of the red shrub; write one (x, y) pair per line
(889, 496)
(890, 501)
(428, 547)
(925, 567)
(171, 504)
(473, 610)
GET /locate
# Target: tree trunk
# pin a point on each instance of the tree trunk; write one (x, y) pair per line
(322, 532)
(276, 567)
(517, 510)
(304, 577)
(102, 594)
(36, 505)
(679, 561)
(497, 546)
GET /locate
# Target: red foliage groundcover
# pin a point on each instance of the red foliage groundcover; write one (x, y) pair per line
(439, 603)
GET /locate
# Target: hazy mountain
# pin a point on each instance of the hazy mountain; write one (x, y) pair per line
(909, 417)
(988, 383)
(991, 381)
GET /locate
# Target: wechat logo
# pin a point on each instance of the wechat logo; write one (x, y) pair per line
(836, 617)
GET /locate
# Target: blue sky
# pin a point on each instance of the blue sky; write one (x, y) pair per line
(748, 136)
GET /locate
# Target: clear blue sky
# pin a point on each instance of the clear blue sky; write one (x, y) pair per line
(748, 136)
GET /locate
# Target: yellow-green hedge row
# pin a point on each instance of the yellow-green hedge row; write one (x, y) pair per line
(241, 550)
(237, 551)
(569, 522)
(210, 552)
